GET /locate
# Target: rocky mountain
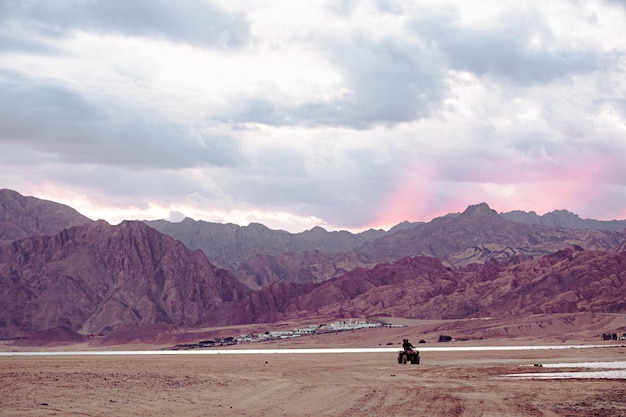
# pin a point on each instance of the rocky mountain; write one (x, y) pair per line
(567, 281)
(259, 256)
(302, 267)
(97, 278)
(477, 235)
(480, 234)
(230, 245)
(29, 216)
(564, 219)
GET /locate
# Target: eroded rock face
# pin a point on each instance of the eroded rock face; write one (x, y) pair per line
(97, 277)
(302, 267)
(230, 245)
(480, 234)
(570, 280)
(476, 236)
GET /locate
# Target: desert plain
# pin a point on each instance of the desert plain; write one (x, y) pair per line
(445, 383)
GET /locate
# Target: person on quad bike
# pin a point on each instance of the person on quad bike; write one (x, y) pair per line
(406, 345)
(408, 353)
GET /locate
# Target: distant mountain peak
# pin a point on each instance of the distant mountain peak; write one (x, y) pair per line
(479, 209)
(563, 212)
(22, 216)
(563, 218)
(317, 231)
(257, 226)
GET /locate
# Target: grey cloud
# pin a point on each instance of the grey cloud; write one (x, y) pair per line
(340, 200)
(343, 7)
(221, 151)
(620, 3)
(142, 143)
(258, 110)
(185, 21)
(350, 194)
(67, 126)
(280, 161)
(350, 201)
(392, 80)
(389, 6)
(505, 53)
(124, 187)
(29, 112)
(618, 103)
(11, 42)
(537, 145)
(114, 186)
(348, 7)
(368, 168)
(389, 82)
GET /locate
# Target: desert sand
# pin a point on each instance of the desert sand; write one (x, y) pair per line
(467, 383)
(324, 384)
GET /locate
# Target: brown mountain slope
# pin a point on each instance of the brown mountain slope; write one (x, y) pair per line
(261, 255)
(96, 278)
(99, 278)
(570, 280)
(480, 234)
(476, 236)
(29, 216)
(299, 267)
(229, 245)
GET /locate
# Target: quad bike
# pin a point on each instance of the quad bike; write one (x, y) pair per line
(410, 355)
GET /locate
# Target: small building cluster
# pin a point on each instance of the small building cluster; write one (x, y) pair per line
(226, 341)
(338, 326)
(613, 336)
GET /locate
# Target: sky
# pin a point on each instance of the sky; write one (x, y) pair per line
(341, 114)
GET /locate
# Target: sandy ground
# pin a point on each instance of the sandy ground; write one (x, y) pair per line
(324, 384)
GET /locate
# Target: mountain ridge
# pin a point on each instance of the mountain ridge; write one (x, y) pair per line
(476, 235)
(99, 279)
(230, 245)
(565, 219)
(22, 216)
(128, 274)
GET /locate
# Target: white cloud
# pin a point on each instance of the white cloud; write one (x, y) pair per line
(344, 114)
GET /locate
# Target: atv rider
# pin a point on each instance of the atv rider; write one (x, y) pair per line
(408, 353)
(406, 345)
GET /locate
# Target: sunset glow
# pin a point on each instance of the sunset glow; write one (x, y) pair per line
(346, 115)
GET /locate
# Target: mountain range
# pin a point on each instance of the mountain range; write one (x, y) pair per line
(258, 255)
(62, 272)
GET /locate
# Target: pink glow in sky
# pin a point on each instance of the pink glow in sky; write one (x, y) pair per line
(346, 115)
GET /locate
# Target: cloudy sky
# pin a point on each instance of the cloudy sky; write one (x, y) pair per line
(344, 114)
